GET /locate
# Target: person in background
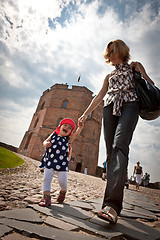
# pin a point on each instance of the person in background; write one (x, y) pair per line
(56, 159)
(85, 170)
(146, 179)
(139, 173)
(120, 117)
(104, 174)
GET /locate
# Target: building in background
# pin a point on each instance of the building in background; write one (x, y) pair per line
(56, 103)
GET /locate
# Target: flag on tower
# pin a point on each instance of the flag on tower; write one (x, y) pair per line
(78, 79)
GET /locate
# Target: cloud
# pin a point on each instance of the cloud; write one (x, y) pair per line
(145, 148)
(15, 120)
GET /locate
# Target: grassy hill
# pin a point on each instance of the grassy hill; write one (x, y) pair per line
(9, 159)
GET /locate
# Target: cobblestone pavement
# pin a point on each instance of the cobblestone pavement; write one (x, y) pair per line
(21, 187)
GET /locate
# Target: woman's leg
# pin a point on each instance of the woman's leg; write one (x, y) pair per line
(119, 161)
(138, 181)
(110, 124)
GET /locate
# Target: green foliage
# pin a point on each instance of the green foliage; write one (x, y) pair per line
(9, 159)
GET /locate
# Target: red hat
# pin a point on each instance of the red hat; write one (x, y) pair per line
(66, 121)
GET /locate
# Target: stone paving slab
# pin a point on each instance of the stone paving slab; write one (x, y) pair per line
(60, 224)
(64, 208)
(131, 210)
(145, 212)
(24, 214)
(132, 214)
(142, 204)
(108, 230)
(17, 236)
(29, 228)
(96, 200)
(83, 205)
(4, 230)
(131, 229)
(127, 206)
(96, 207)
(83, 223)
(45, 232)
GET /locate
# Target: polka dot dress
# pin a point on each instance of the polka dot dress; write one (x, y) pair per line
(56, 156)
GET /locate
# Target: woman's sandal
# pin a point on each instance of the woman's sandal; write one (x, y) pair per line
(108, 214)
(45, 201)
(61, 197)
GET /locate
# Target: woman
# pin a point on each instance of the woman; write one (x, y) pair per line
(139, 173)
(120, 116)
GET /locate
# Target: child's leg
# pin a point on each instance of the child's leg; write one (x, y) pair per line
(46, 200)
(62, 179)
(47, 179)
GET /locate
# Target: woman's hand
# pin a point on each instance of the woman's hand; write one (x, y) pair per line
(82, 119)
(138, 66)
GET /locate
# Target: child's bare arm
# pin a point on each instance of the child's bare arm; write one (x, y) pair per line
(78, 131)
(47, 142)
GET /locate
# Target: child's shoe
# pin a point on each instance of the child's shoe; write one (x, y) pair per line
(45, 201)
(61, 197)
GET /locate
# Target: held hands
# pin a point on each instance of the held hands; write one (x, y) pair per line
(81, 120)
(80, 124)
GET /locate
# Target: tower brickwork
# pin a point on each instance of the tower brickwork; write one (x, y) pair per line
(57, 103)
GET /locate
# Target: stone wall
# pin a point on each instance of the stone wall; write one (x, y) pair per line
(9, 147)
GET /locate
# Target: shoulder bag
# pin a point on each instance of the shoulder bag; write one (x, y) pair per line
(149, 97)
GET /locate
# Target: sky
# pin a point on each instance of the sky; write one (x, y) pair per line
(54, 41)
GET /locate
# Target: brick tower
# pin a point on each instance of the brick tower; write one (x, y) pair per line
(57, 103)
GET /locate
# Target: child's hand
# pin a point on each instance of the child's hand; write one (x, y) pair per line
(82, 119)
(47, 144)
(80, 124)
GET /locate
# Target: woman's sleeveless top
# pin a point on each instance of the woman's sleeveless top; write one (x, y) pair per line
(138, 170)
(121, 88)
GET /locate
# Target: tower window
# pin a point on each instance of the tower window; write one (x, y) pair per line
(42, 106)
(28, 141)
(65, 104)
(36, 122)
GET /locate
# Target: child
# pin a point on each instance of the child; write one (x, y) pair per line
(56, 159)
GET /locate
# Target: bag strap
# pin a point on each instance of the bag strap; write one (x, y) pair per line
(133, 69)
(136, 75)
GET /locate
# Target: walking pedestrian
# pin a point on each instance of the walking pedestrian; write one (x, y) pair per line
(120, 117)
(139, 173)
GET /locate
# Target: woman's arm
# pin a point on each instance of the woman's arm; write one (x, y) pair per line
(96, 100)
(139, 68)
(134, 171)
(142, 171)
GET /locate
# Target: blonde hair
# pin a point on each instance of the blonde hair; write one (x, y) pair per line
(119, 47)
